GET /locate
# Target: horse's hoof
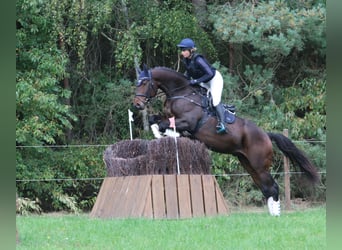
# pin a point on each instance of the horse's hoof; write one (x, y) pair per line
(273, 206)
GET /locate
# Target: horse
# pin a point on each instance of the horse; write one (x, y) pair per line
(249, 143)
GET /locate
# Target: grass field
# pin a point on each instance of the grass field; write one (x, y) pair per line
(240, 230)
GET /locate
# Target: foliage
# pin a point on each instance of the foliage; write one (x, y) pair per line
(271, 28)
(305, 107)
(69, 173)
(65, 202)
(41, 114)
(301, 109)
(273, 35)
(273, 46)
(25, 206)
(148, 37)
(102, 109)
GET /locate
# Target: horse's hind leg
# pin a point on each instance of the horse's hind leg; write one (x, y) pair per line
(258, 169)
(270, 189)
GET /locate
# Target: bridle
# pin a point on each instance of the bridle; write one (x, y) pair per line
(151, 88)
(154, 88)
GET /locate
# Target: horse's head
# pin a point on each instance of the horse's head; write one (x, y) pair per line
(145, 89)
(171, 82)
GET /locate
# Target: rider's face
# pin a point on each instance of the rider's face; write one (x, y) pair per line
(185, 53)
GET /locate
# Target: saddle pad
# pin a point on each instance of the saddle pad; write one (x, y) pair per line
(229, 117)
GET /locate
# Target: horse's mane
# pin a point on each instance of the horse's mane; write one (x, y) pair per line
(178, 74)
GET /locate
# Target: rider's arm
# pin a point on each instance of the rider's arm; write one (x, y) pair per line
(206, 68)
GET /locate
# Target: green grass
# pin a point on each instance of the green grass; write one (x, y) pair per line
(292, 230)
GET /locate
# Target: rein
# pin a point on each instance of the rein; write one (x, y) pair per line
(152, 87)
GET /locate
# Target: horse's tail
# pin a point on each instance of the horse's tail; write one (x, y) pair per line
(295, 155)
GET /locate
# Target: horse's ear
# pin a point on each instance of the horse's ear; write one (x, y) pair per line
(145, 68)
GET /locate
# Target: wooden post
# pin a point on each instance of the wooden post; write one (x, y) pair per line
(287, 178)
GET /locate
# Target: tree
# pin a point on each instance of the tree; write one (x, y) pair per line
(41, 115)
(279, 44)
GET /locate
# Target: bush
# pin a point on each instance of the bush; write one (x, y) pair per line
(61, 178)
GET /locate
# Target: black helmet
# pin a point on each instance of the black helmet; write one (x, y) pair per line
(186, 43)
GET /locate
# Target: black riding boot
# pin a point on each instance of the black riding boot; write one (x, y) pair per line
(220, 128)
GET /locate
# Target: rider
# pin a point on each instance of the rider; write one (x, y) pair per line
(199, 70)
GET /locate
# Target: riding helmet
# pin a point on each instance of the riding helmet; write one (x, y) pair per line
(186, 43)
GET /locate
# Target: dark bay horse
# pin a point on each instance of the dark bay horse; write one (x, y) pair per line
(249, 143)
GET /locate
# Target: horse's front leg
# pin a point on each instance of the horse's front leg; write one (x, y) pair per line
(163, 125)
(155, 130)
(160, 127)
(155, 121)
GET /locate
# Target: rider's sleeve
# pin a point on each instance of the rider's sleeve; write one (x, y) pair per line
(206, 68)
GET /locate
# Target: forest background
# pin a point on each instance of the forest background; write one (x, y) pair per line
(76, 76)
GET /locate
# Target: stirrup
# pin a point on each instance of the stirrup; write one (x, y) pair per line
(221, 129)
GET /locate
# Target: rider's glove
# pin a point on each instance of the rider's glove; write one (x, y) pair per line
(193, 81)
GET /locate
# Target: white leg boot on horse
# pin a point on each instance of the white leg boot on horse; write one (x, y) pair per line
(273, 206)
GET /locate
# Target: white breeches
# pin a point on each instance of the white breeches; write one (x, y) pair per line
(216, 87)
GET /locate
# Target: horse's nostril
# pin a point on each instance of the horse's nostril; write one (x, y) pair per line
(138, 106)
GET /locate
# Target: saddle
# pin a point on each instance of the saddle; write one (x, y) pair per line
(207, 104)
